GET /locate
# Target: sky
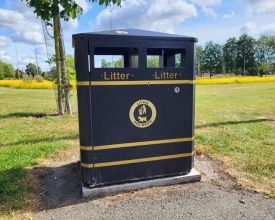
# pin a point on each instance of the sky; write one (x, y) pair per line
(21, 31)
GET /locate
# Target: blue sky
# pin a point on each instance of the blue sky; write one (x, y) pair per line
(207, 20)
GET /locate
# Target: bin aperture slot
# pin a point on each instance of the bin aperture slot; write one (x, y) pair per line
(163, 57)
(114, 57)
(154, 61)
(109, 61)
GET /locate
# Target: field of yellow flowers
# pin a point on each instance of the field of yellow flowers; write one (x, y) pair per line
(234, 80)
(29, 84)
(45, 84)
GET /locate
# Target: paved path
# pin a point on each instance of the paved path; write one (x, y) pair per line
(216, 197)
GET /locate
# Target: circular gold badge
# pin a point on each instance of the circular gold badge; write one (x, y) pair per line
(142, 113)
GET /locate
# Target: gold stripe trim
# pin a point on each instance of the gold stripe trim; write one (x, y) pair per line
(135, 144)
(140, 160)
(140, 82)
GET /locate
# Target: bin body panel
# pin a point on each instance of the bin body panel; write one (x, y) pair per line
(142, 171)
(112, 125)
(111, 106)
(140, 127)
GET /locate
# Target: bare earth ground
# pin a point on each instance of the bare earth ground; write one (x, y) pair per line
(217, 196)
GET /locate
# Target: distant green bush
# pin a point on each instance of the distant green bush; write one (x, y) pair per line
(6, 70)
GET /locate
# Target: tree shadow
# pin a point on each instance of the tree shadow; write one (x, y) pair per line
(28, 114)
(52, 187)
(38, 140)
(59, 186)
(233, 123)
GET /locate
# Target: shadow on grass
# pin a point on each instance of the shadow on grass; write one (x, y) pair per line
(28, 114)
(232, 123)
(12, 190)
(38, 140)
(47, 187)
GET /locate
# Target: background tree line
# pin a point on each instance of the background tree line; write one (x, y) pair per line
(34, 72)
(243, 56)
(31, 72)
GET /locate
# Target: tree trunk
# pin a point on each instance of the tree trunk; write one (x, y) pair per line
(199, 67)
(65, 81)
(58, 66)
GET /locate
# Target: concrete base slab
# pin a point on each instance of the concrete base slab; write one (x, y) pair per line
(193, 176)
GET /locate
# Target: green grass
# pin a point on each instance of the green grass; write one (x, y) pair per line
(238, 121)
(233, 121)
(26, 138)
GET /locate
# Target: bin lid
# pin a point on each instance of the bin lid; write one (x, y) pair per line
(135, 33)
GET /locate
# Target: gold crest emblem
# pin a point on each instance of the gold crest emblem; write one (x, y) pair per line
(142, 113)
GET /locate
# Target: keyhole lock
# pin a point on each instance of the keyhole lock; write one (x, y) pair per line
(177, 89)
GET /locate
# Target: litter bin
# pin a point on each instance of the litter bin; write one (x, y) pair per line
(135, 94)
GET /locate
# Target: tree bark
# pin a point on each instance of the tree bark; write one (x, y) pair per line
(64, 77)
(58, 66)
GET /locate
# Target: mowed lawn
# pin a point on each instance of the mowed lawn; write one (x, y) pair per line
(26, 137)
(235, 123)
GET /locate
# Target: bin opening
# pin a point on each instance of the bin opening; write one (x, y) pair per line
(113, 57)
(163, 57)
(109, 61)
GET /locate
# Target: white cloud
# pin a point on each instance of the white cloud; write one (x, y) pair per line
(207, 3)
(255, 30)
(229, 15)
(70, 25)
(28, 37)
(69, 28)
(20, 6)
(4, 41)
(25, 29)
(207, 6)
(209, 11)
(268, 29)
(5, 57)
(26, 60)
(261, 7)
(248, 28)
(11, 19)
(158, 15)
(84, 5)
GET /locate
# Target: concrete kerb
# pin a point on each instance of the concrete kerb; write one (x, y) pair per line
(193, 176)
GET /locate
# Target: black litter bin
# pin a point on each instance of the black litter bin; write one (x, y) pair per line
(136, 115)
